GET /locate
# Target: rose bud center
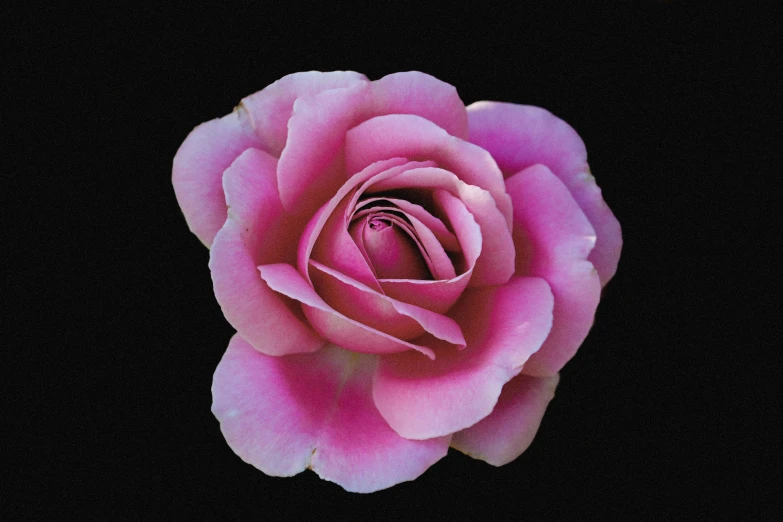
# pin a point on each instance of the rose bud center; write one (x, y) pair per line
(390, 249)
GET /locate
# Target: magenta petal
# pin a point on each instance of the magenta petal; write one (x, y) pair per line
(336, 327)
(507, 432)
(270, 108)
(519, 136)
(424, 95)
(393, 251)
(197, 172)
(285, 414)
(311, 165)
(556, 238)
(502, 327)
(413, 137)
(255, 234)
(378, 311)
(437, 296)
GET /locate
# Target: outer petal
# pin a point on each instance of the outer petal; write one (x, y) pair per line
(255, 234)
(285, 414)
(198, 168)
(311, 165)
(333, 325)
(554, 239)
(413, 137)
(270, 109)
(430, 399)
(507, 432)
(424, 95)
(519, 136)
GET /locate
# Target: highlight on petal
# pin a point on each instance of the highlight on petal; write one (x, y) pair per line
(334, 326)
(502, 325)
(271, 108)
(519, 136)
(418, 93)
(556, 238)
(508, 431)
(256, 233)
(285, 414)
(413, 137)
(197, 172)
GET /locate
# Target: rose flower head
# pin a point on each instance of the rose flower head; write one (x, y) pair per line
(404, 273)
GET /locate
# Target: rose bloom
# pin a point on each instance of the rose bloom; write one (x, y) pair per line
(404, 274)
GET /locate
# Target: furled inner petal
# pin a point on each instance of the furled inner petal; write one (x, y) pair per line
(392, 249)
(285, 414)
(348, 257)
(334, 326)
(496, 264)
(381, 312)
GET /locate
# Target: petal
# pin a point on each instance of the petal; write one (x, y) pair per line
(270, 109)
(311, 165)
(285, 414)
(341, 330)
(383, 313)
(437, 296)
(255, 234)
(496, 263)
(392, 251)
(507, 432)
(424, 95)
(502, 326)
(198, 167)
(519, 136)
(413, 137)
(554, 233)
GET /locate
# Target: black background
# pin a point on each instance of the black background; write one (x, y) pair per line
(669, 406)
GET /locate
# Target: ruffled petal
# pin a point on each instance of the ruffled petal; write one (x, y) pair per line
(198, 167)
(502, 326)
(381, 312)
(519, 136)
(413, 137)
(423, 95)
(285, 414)
(507, 432)
(271, 108)
(256, 232)
(311, 167)
(336, 327)
(555, 239)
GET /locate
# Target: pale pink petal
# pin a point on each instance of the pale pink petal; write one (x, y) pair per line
(198, 167)
(311, 167)
(507, 432)
(413, 137)
(502, 327)
(334, 326)
(519, 136)
(256, 233)
(555, 238)
(285, 414)
(424, 95)
(381, 312)
(496, 263)
(271, 108)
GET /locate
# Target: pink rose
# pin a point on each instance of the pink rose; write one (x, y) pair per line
(404, 273)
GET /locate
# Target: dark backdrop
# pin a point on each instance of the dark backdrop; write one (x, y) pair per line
(666, 408)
